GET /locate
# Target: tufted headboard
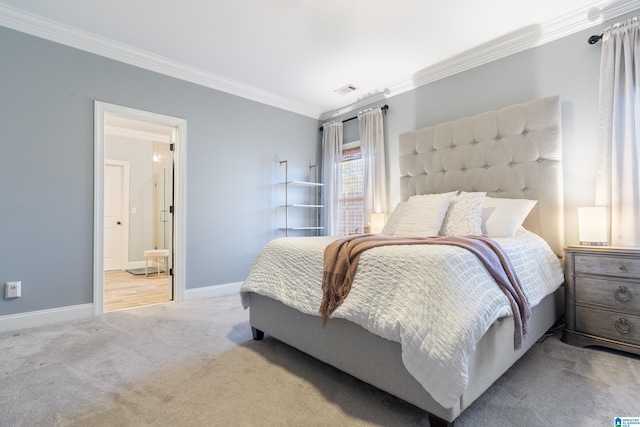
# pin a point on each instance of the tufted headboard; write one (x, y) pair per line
(514, 152)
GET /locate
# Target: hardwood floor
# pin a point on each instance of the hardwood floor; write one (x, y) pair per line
(125, 290)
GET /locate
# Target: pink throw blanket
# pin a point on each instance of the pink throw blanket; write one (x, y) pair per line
(341, 262)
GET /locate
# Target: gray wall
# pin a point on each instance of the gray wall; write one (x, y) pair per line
(47, 94)
(234, 145)
(568, 67)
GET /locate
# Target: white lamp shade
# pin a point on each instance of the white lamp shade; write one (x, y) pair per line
(377, 222)
(592, 226)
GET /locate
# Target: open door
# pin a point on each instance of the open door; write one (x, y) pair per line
(163, 201)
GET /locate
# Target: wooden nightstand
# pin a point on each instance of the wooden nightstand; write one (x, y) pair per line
(602, 297)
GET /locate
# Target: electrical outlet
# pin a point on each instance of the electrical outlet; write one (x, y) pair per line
(13, 289)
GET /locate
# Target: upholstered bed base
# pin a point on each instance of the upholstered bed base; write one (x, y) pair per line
(378, 361)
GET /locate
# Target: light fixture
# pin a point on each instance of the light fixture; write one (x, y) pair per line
(592, 226)
(377, 223)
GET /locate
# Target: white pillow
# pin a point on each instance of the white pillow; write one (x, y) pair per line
(423, 215)
(394, 219)
(464, 216)
(503, 217)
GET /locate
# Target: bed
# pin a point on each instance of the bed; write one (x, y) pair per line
(510, 155)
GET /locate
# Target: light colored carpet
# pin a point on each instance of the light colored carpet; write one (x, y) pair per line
(194, 364)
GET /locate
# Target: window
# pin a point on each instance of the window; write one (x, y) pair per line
(351, 209)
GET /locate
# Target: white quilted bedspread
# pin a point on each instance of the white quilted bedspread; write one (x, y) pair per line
(436, 301)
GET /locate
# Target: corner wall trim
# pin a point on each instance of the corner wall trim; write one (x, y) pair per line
(32, 319)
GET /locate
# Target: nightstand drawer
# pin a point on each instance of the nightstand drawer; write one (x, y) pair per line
(606, 292)
(615, 266)
(608, 324)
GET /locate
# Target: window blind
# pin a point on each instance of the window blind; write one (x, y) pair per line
(351, 208)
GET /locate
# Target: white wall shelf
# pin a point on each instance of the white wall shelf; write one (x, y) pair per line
(308, 204)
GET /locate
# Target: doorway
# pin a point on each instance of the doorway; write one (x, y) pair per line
(138, 207)
(147, 214)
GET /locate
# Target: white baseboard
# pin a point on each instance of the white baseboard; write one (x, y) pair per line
(34, 319)
(212, 291)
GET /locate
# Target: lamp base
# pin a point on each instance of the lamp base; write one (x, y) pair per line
(593, 243)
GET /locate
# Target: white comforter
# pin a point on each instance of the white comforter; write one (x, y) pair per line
(436, 301)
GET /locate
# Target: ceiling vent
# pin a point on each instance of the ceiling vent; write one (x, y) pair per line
(346, 89)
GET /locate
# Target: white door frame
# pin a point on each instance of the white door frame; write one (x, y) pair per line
(179, 196)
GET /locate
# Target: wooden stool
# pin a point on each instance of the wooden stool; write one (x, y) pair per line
(157, 254)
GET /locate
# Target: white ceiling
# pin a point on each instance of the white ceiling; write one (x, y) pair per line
(293, 54)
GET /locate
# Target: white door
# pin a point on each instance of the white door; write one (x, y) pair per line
(114, 217)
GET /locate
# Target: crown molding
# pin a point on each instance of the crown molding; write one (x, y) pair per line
(515, 42)
(44, 28)
(360, 103)
(502, 47)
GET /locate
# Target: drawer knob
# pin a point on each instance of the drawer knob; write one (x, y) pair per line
(623, 326)
(622, 294)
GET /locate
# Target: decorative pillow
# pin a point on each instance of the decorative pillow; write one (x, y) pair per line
(423, 215)
(503, 217)
(464, 216)
(394, 219)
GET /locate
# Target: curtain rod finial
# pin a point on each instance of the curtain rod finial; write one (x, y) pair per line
(595, 39)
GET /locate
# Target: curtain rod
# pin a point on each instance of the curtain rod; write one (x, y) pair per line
(384, 109)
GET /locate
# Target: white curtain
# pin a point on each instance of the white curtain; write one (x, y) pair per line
(331, 173)
(618, 178)
(373, 157)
